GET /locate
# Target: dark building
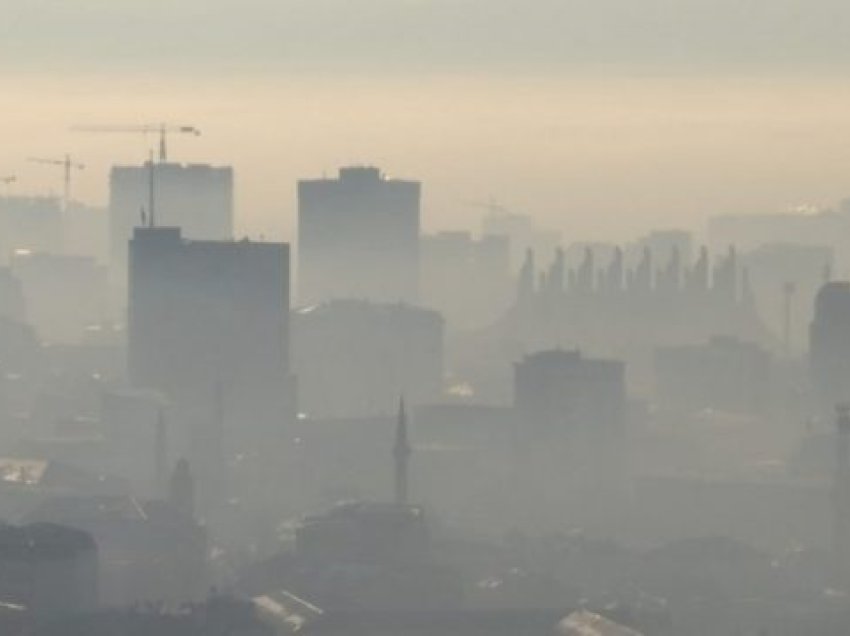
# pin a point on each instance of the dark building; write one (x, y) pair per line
(724, 374)
(358, 237)
(147, 550)
(197, 198)
(377, 533)
(208, 326)
(48, 569)
(364, 555)
(562, 394)
(354, 358)
(829, 345)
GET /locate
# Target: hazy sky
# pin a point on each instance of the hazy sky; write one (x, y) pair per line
(553, 34)
(599, 116)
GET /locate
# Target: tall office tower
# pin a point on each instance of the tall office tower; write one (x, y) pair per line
(208, 325)
(561, 394)
(197, 198)
(829, 345)
(358, 237)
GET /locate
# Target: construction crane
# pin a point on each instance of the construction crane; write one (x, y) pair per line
(495, 208)
(146, 129)
(67, 166)
(7, 181)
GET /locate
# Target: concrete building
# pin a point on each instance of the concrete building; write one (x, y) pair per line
(208, 326)
(48, 569)
(197, 198)
(354, 358)
(841, 494)
(724, 374)
(148, 551)
(561, 394)
(785, 278)
(64, 295)
(30, 223)
(358, 237)
(829, 345)
(467, 279)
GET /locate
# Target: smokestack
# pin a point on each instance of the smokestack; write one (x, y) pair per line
(401, 455)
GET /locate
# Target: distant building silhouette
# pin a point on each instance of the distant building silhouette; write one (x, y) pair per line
(785, 278)
(30, 223)
(181, 489)
(48, 569)
(625, 309)
(197, 198)
(521, 232)
(148, 551)
(64, 295)
(401, 457)
(358, 237)
(829, 345)
(841, 493)
(725, 374)
(469, 280)
(353, 358)
(561, 394)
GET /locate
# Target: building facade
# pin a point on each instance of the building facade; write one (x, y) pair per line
(208, 326)
(197, 198)
(358, 237)
(562, 394)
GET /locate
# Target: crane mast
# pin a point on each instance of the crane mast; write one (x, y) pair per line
(67, 165)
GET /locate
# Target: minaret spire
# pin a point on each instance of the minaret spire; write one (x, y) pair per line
(841, 493)
(401, 455)
(160, 453)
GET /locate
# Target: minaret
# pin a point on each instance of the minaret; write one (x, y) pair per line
(182, 488)
(160, 454)
(841, 492)
(401, 455)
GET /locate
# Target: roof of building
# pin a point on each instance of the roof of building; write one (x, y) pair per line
(42, 541)
(584, 623)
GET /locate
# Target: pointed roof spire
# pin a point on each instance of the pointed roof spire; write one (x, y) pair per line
(402, 445)
(401, 455)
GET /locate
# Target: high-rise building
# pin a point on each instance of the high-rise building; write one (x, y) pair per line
(562, 394)
(354, 358)
(208, 323)
(829, 345)
(467, 279)
(48, 569)
(65, 295)
(358, 237)
(30, 223)
(725, 374)
(197, 198)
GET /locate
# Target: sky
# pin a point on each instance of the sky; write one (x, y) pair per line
(600, 117)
